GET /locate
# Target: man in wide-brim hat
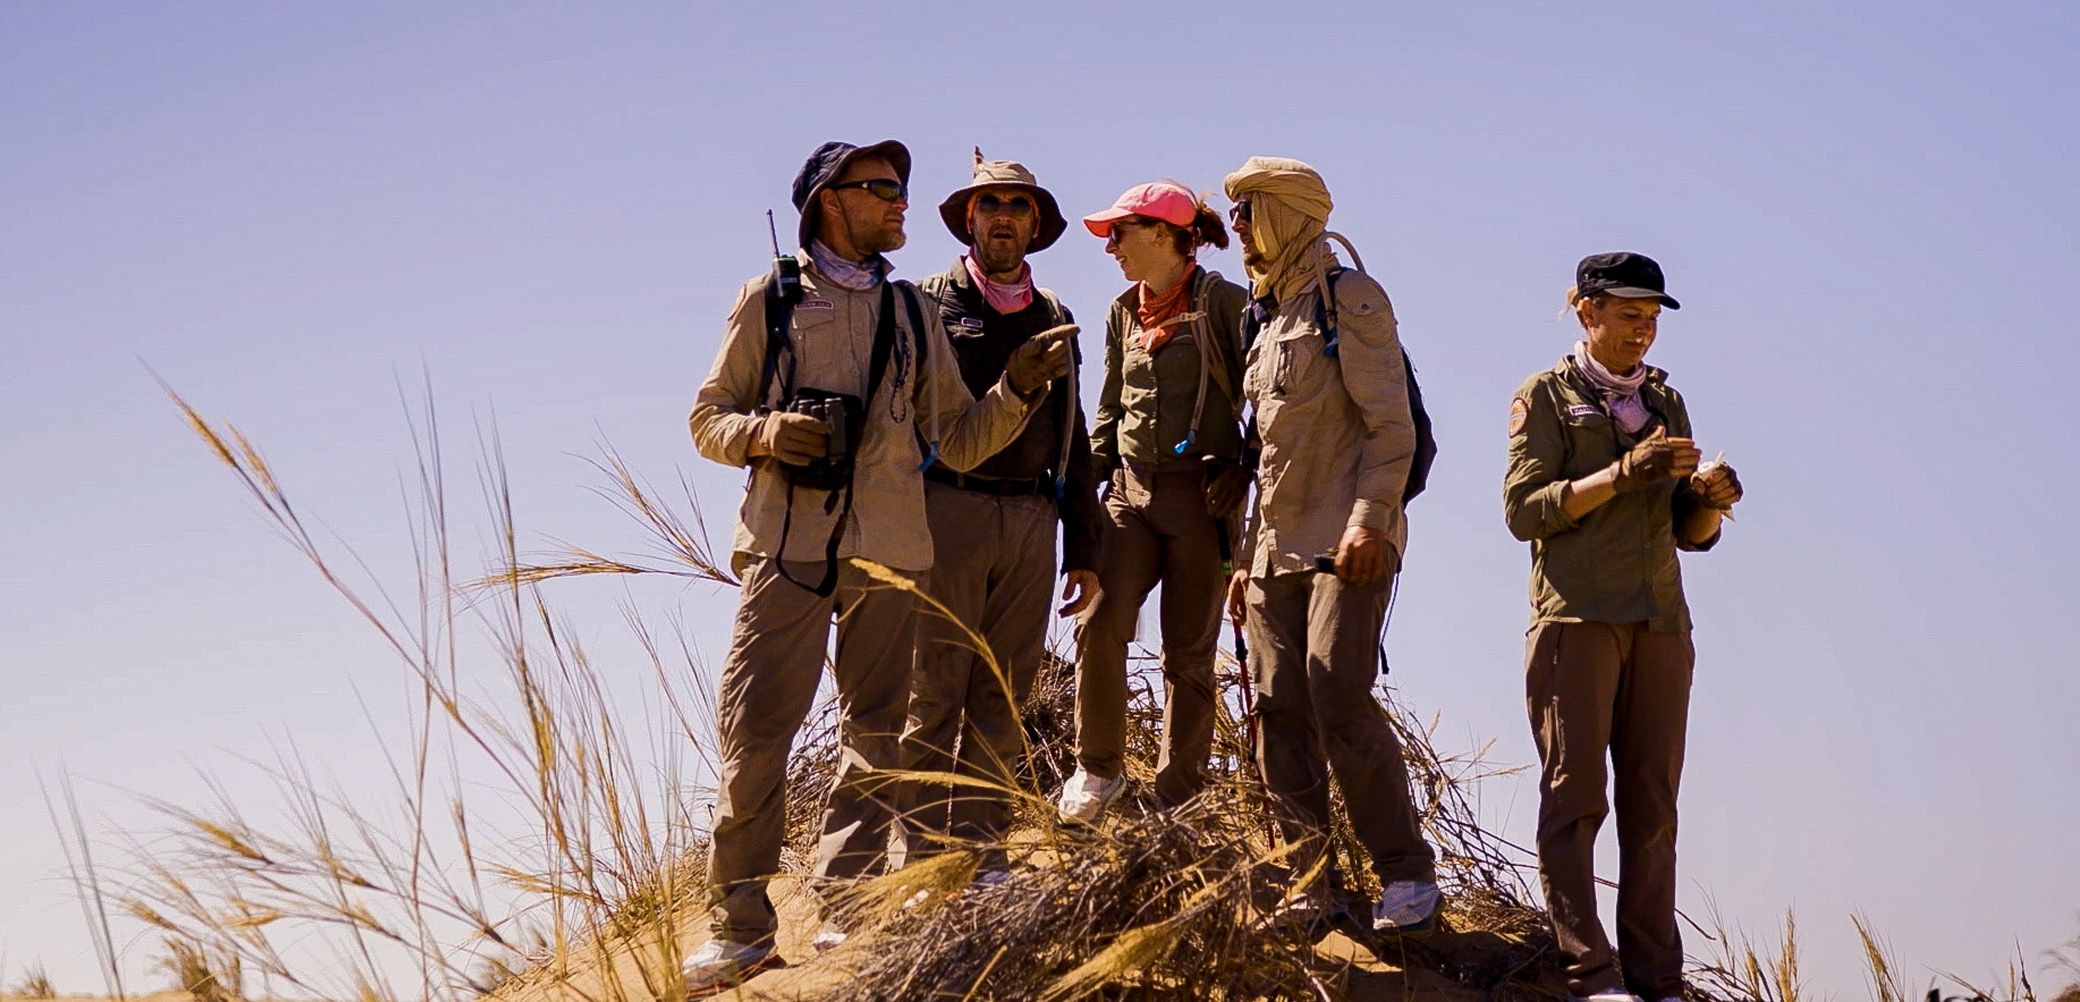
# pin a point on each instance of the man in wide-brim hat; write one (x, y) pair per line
(993, 527)
(855, 336)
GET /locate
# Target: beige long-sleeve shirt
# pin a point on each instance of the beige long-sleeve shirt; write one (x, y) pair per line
(833, 336)
(1336, 433)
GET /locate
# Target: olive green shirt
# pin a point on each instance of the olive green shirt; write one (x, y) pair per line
(1617, 564)
(1145, 408)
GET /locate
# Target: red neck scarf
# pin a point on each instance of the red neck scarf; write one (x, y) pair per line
(1159, 311)
(1004, 297)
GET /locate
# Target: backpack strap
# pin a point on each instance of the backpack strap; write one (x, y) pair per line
(779, 316)
(919, 342)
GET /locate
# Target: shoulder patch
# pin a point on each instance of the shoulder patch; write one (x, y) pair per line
(1519, 412)
(815, 304)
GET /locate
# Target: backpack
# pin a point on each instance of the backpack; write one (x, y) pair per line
(1426, 438)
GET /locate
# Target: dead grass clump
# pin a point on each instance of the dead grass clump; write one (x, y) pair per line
(36, 984)
(206, 975)
(1163, 903)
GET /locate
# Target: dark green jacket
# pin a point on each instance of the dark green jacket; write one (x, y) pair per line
(1618, 563)
(1145, 406)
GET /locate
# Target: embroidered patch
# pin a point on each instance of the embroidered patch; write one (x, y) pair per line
(1583, 410)
(1519, 412)
(970, 323)
(815, 304)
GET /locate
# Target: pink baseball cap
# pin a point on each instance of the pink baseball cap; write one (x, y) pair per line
(1168, 201)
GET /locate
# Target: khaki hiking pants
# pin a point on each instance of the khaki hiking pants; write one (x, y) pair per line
(1594, 688)
(993, 569)
(1158, 531)
(1314, 652)
(769, 679)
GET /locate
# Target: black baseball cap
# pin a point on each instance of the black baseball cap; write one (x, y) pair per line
(1622, 274)
(829, 161)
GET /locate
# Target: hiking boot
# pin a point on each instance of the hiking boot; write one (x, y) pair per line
(1085, 797)
(1407, 908)
(719, 965)
(830, 937)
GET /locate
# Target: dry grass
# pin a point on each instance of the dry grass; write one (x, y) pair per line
(36, 984)
(578, 875)
(205, 975)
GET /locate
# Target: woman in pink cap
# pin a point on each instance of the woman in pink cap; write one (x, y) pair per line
(1168, 436)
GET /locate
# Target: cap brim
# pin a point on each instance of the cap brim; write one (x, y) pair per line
(1050, 227)
(897, 155)
(1100, 223)
(1634, 292)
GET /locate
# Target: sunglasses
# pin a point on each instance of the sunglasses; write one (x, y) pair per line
(1240, 212)
(1017, 205)
(880, 187)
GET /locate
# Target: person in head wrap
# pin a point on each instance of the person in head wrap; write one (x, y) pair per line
(1337, 441)
(1604, 483)
(1168, 437)
(993, 528)
(860, 337)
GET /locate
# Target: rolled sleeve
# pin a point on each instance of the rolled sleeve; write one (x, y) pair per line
(724, 420)
(1534, 491)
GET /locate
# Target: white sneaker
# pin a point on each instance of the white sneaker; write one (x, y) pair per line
(1407, 906)
(1085, 797)
(828, 938)
(719, 965)
(1609, 995)
(990, 878)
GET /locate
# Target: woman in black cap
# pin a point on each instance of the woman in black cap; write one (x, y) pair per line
(1604, 483)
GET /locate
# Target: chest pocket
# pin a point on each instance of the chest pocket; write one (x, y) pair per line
(1592, 442)
(1295, 363)
(960, 326)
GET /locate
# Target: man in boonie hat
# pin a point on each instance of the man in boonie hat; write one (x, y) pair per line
(857, 343)
(993, 527)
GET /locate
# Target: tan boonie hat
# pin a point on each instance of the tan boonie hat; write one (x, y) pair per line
(1004, 174)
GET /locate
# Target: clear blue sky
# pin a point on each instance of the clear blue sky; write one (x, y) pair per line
(1868, 211)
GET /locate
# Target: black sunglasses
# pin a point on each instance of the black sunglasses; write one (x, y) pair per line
(879, 187)
(1017, 205)
(1240, 212)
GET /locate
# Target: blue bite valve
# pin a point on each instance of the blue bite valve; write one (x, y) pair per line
(1191, 438)
(931, 455)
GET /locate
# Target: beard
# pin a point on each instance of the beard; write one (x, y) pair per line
(998, 256)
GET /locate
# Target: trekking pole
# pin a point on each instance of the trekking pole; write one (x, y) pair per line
(1242, 673)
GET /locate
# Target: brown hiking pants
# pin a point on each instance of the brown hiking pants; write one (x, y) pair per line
(769, 680)
(1314, 652)
(1158, 530)
(1616, 687)
(993, 570)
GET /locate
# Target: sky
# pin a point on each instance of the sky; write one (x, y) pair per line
(297, 216)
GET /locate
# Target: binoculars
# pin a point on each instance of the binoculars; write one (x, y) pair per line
(844, 417)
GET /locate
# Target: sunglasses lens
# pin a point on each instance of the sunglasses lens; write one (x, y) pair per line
(886, 190)
(1017, 205)
(1240, 213)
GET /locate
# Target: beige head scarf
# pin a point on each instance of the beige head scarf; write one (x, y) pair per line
(1289, 214)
